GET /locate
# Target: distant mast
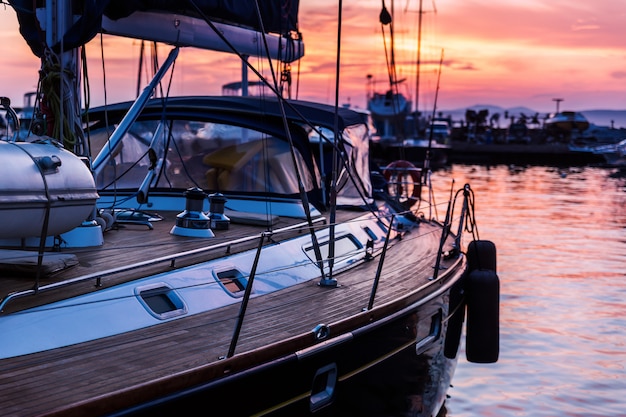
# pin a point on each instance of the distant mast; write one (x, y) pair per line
(419, 62)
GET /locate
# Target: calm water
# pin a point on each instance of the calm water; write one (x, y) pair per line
(561, 241)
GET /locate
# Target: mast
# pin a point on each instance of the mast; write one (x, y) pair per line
(430, 130)
(417, 72)
(385, 19)
(60, 79)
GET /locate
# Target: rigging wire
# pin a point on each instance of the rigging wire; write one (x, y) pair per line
(141, 51)
(278, 95)
(107, 125)
(349, 173)
(418, 64)
(333, 186)
(303, 195)
(269, 85)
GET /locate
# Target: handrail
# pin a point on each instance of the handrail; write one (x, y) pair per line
(171, 258)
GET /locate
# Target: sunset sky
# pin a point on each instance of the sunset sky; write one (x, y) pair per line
(507, 53)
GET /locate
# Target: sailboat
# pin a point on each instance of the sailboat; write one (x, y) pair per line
(402, 131)
(188, 257)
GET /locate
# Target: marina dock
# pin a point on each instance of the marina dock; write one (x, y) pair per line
(519, 153)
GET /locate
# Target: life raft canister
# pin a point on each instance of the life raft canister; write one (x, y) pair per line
(43, 188)
(482, 340)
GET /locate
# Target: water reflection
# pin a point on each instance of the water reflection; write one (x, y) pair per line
(561, 239)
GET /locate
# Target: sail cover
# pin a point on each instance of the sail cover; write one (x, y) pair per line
(277, 16)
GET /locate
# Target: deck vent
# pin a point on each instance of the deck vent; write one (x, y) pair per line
(161, 301)
(193, 222)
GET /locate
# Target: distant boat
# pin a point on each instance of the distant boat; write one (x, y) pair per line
(402, 132)
(614, 154)
(245, 88)
(387, 107)
(567, 121)
(441, 130)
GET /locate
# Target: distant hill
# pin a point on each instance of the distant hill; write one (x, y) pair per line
(617, 118)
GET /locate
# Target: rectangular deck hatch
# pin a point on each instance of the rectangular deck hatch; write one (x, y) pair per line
(161, 301)
(232, 280)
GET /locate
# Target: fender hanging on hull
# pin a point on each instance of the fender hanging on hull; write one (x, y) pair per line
(481, 254)
(483, 304)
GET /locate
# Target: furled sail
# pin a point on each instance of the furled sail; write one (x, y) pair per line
(175, 22)
(278, 16)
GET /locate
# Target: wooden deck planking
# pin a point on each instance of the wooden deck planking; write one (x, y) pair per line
(37, 383)
(130, 244)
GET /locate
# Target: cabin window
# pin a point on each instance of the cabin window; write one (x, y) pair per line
(345, 246)
(161, 301)
(212, 156)
(232, 280)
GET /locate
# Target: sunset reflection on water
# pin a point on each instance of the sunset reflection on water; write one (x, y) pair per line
(561, 241)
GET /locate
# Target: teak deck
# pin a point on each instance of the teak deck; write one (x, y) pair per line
(96, 377)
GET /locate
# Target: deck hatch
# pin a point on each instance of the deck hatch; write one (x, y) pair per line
(232, 280)
(161, 301)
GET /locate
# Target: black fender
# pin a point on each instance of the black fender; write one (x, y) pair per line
(482, 340)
